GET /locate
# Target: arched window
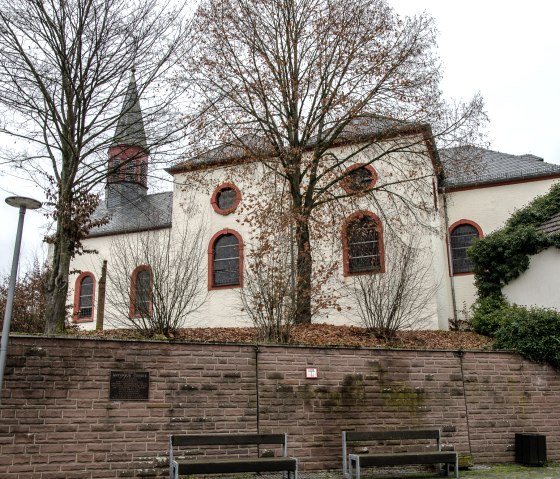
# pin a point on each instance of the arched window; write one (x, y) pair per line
(362, 244)
(141, 292)
(225, 254)
(84, 296)
(462, 234)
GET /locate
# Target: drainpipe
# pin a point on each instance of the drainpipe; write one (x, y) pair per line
(449, 258)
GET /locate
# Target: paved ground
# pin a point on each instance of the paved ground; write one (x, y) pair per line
(509, 471)
(502, 471)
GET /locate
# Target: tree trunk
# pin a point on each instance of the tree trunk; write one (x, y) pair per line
(57, 285)
(303, 272)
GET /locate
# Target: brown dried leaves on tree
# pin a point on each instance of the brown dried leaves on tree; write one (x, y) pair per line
(312, 86)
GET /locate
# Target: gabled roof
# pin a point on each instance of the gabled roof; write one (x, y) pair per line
(471, 166)
(145, 212)
(130, 127)
(361, 129)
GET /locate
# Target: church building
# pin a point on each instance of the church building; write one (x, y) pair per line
(187, 253)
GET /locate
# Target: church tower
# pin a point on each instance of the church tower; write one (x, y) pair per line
(128, 154)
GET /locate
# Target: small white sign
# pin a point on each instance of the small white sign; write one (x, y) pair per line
(311, 373)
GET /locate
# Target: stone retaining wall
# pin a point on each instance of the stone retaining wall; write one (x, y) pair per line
(57, 421)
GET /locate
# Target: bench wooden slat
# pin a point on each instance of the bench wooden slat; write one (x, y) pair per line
(227, 439)
(230, 464)
(353, 463)
(367, 460)
(223, 466)
(392, 435)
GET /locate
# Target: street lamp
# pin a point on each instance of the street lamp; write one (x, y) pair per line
(23, 204)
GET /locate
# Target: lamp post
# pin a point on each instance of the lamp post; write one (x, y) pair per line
(23, 204)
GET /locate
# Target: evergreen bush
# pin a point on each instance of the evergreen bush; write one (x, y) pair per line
(489, 314)
(535, 334)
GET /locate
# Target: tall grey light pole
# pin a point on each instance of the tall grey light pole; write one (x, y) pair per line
(23, 204)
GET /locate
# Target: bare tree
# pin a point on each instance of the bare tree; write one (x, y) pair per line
(399, 297)
(172, 286)
(268, 293)
(309, 87)
(64, 70)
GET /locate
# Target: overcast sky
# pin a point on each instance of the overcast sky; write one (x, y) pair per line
(508, 50)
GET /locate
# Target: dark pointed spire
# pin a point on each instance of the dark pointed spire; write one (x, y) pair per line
(130, 127)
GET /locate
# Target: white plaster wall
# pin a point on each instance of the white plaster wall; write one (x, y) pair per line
(489, 207)
(89, 262)
(540, 284)
(223, 307)
(104, 248)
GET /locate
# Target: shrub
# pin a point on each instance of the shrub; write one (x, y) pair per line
(490, 313)
(535, 335)
(28, 314)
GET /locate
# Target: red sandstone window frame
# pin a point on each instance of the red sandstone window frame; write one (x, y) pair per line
(345, 255)
(449, 247)
(133, 278)
(77, 293)
(346, 183)
(218, 190)
(225, 231)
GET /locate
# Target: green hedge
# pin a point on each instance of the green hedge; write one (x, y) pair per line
(489, 314)
(534, 333)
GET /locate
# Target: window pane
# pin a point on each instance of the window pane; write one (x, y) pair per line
(85, 309)
(363, 246)
(461, 238)
(143, 293)
(226, 261)
(226, 198)
(359, 179)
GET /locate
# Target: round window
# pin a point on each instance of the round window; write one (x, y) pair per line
(226, 198)
(359, 178)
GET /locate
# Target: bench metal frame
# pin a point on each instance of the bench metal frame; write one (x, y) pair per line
(231, 464)
(352, 463)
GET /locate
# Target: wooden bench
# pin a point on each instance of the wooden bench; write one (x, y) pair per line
(214, 464)
(352, 463)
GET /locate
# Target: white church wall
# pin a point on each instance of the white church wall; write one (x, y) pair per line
(104, 247)
(539, 285)
(192, 209)
(223, 306)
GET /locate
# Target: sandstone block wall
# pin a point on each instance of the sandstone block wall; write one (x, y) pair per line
(57, 421)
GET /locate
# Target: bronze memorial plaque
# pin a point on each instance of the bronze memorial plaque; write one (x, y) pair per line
(129, 386)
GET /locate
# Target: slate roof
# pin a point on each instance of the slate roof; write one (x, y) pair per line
(130, 127)
(143, 213)
(359, 129)
(470, 165)
(551, 226)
